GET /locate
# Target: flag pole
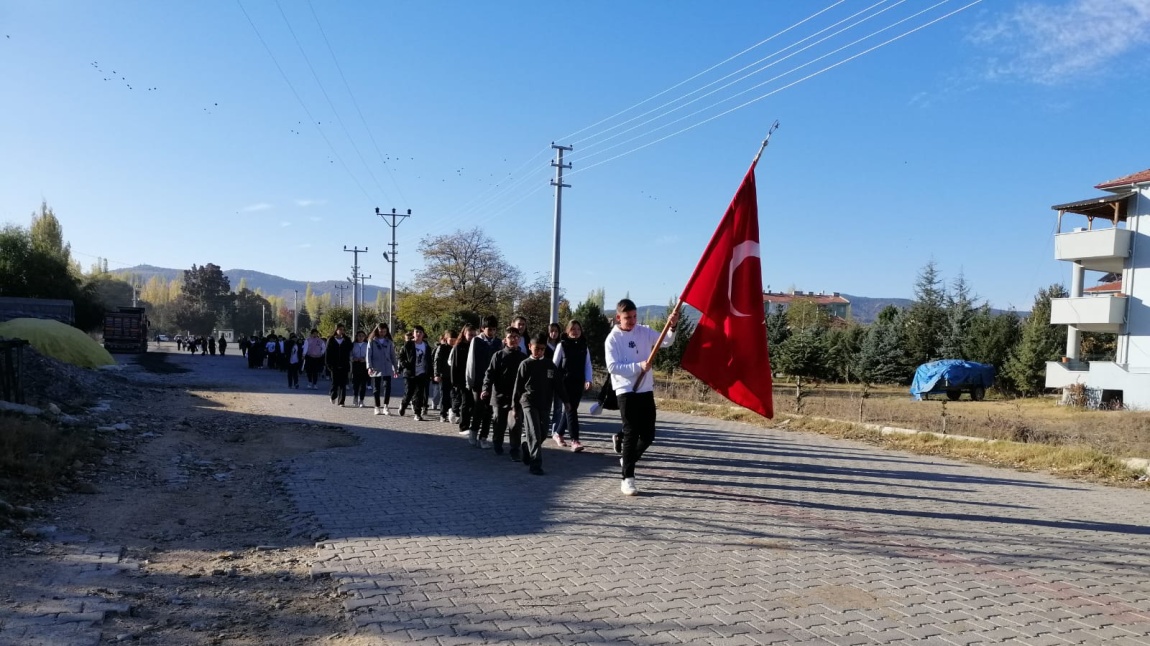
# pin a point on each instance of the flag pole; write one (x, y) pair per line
(679, 302)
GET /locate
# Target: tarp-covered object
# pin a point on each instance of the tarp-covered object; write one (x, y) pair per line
(938, 376)
(59, 341)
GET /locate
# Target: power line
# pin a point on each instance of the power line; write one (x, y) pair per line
(742, 78)
(716, 65)
(346, 85)
(789, 85)
(301, 103)
(331, 105)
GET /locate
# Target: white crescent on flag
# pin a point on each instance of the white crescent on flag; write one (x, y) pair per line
(742, 251)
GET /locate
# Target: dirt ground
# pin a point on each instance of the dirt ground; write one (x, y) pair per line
(191, 490)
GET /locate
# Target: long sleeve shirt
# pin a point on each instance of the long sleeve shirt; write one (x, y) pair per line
(537, 382)
(499, 379)
(625, 351)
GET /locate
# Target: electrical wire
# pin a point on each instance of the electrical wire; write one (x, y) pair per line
(583, 144)
(716, 65)
(303, 105)
(331, 105)
(356, 104)
(768, 81)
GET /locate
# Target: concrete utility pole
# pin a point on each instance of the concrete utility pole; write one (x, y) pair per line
(559, 186)
(341, 287)
(354, 283)
(362, 285)
(263, 321)
(396, 218)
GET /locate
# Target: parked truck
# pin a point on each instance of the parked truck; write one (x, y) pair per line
(126, 330)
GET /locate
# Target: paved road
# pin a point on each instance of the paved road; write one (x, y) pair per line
(741, 536)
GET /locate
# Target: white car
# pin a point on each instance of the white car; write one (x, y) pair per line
(163, 337)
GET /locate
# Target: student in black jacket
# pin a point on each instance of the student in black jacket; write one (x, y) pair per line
(463, 402)
(337, 358)
(442, 375)
(536, 383)
(498, 382)
(415, 364)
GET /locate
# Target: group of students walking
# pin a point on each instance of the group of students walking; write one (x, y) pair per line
(502, 389)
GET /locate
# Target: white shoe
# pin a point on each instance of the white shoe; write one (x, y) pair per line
(377, 411)
(386, 410)
(451, 418)
(628, 487)
(596, 408)
(361, 403)
(484, 444)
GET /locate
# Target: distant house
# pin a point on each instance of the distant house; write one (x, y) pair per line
(833, 303)
(1107, 244)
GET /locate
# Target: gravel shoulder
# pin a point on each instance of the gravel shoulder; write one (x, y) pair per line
(181, 532)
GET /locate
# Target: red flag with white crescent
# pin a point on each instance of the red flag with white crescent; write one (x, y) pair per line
(728, 349)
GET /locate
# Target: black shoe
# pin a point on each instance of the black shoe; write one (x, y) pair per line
(515, 456)
(525, 453)
(418, 417)
(617, 441)
(498, 448)
(535, 471)
(402, 410)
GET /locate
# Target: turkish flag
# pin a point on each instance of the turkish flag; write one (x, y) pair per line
(728, 349)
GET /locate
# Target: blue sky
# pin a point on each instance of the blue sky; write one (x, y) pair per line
(949, 144)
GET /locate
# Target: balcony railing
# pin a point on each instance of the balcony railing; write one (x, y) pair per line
(1098, 250)
(1089, 313)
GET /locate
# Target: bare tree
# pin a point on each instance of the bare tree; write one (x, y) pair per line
(468, 268)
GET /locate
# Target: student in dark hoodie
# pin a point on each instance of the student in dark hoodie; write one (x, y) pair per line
(498, 382)
(478, 358)
(415, 363)
(537, 382)
(337, 358)
(463, 402)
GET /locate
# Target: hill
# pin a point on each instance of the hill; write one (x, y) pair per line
(266, 283)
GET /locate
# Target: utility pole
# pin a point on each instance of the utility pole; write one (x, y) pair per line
(396, 218)
(559, 186)
(354, 283)
(341, 287)
(295, 312)
(263, 321)
(362, 286)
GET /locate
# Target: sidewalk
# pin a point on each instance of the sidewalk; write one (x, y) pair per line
(741, 536)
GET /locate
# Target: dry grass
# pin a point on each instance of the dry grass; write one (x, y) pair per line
(1029, 434)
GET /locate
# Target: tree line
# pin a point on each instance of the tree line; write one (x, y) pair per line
(465, 276)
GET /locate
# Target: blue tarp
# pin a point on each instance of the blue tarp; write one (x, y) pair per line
(937, 376)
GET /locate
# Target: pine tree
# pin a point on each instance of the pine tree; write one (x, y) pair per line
(881, 359)
(959, 312)
(925, 320)
(1041, 342)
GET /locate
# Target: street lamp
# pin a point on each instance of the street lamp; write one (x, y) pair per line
(396, 218)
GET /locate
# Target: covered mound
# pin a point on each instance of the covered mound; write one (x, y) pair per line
(59, 341)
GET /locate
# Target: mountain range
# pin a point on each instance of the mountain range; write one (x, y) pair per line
(864, 309)
(268, 284)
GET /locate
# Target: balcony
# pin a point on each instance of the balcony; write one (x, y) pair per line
(1061, 375)
(1089, 313)
(1102, 250)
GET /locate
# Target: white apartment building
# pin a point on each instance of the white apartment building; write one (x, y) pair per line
(1111, 242)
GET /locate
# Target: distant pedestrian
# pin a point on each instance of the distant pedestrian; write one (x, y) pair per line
(223, 345)
(337, 358)
(441, 377)
(293, 353)
(463, 402)
(244, 345)
(212, 345)
(536, 384)
(359, 369)
(478, 357)
(415, 364)
(381, 366)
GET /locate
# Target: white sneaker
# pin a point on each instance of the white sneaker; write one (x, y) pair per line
(377, 411)
(596, 408)
(451, 418)
(628, 487)
(386, 410)
(484, 444)
(361, 403)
